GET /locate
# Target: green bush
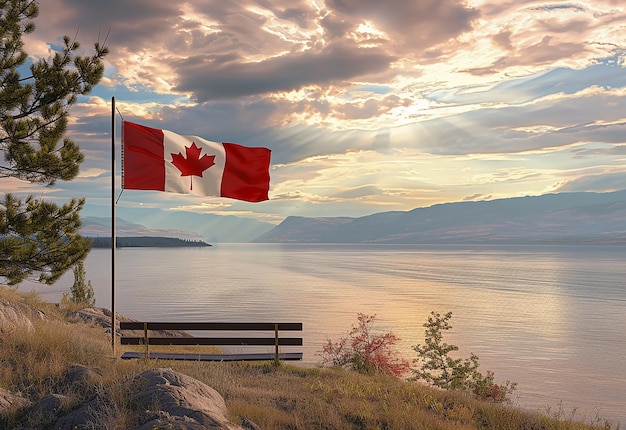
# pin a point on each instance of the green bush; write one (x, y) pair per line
(81, 292)
(438, 368)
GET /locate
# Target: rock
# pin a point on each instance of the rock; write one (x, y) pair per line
(87, 416)
(18, 315)
(10, 401)
(48, 407)
(166, 422)
(80, 376)
(184, 401)
(249, 425)
(77, 378)
(101, 317)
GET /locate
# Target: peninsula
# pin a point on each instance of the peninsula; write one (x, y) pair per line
(147, 242)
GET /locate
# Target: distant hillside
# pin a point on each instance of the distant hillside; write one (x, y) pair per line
(181, 224)
(101, 227)
(552, 218)
(146, 242)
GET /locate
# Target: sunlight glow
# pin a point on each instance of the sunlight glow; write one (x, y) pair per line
(368, 36)
(200, 21)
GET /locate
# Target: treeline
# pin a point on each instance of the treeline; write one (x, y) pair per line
(146, 242)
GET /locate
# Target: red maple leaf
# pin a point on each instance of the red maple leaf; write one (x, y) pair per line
(193, 164)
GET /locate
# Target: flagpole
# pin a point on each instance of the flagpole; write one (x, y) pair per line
(113, 238)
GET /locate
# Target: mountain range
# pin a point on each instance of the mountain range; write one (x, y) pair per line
(586, 217)
(551, 218)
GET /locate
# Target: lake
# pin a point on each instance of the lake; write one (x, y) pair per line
(551, 318)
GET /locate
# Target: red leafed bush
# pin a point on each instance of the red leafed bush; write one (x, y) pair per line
(365, 351)
(486, 389)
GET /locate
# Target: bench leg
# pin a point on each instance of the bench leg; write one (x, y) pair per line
(276, 362)
(145, 339)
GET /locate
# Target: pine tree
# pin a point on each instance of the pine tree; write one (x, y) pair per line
(39, 237)
(436, 365)
(81, 292)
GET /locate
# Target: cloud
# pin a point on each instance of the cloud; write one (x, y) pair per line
(335, 64)
(603, 182)
(411, 25)
(611, 150)
(360, 192)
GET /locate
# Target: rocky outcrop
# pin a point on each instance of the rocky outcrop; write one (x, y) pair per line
(101, 317)
(52, 406)
(16, 314)
(161, 399)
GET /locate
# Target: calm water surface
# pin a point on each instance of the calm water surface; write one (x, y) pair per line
(551, 318)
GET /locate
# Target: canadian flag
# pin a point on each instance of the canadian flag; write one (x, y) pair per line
(155, 159)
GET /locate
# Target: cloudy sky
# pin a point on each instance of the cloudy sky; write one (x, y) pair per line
(367, 105)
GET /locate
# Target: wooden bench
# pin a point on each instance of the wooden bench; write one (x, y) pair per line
(274, 341)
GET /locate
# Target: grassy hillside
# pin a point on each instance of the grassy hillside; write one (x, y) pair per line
(33, 362)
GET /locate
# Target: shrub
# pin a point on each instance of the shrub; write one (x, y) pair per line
(365, 351)
(486, 389)
(81, 292)
(439, 369)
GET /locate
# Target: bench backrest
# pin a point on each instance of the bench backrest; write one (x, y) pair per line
(274, 340)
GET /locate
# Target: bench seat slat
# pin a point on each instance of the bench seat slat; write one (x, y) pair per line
(216, 341)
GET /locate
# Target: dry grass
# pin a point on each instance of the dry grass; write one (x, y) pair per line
(33, 364)
(291, 397)
(32, 298)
